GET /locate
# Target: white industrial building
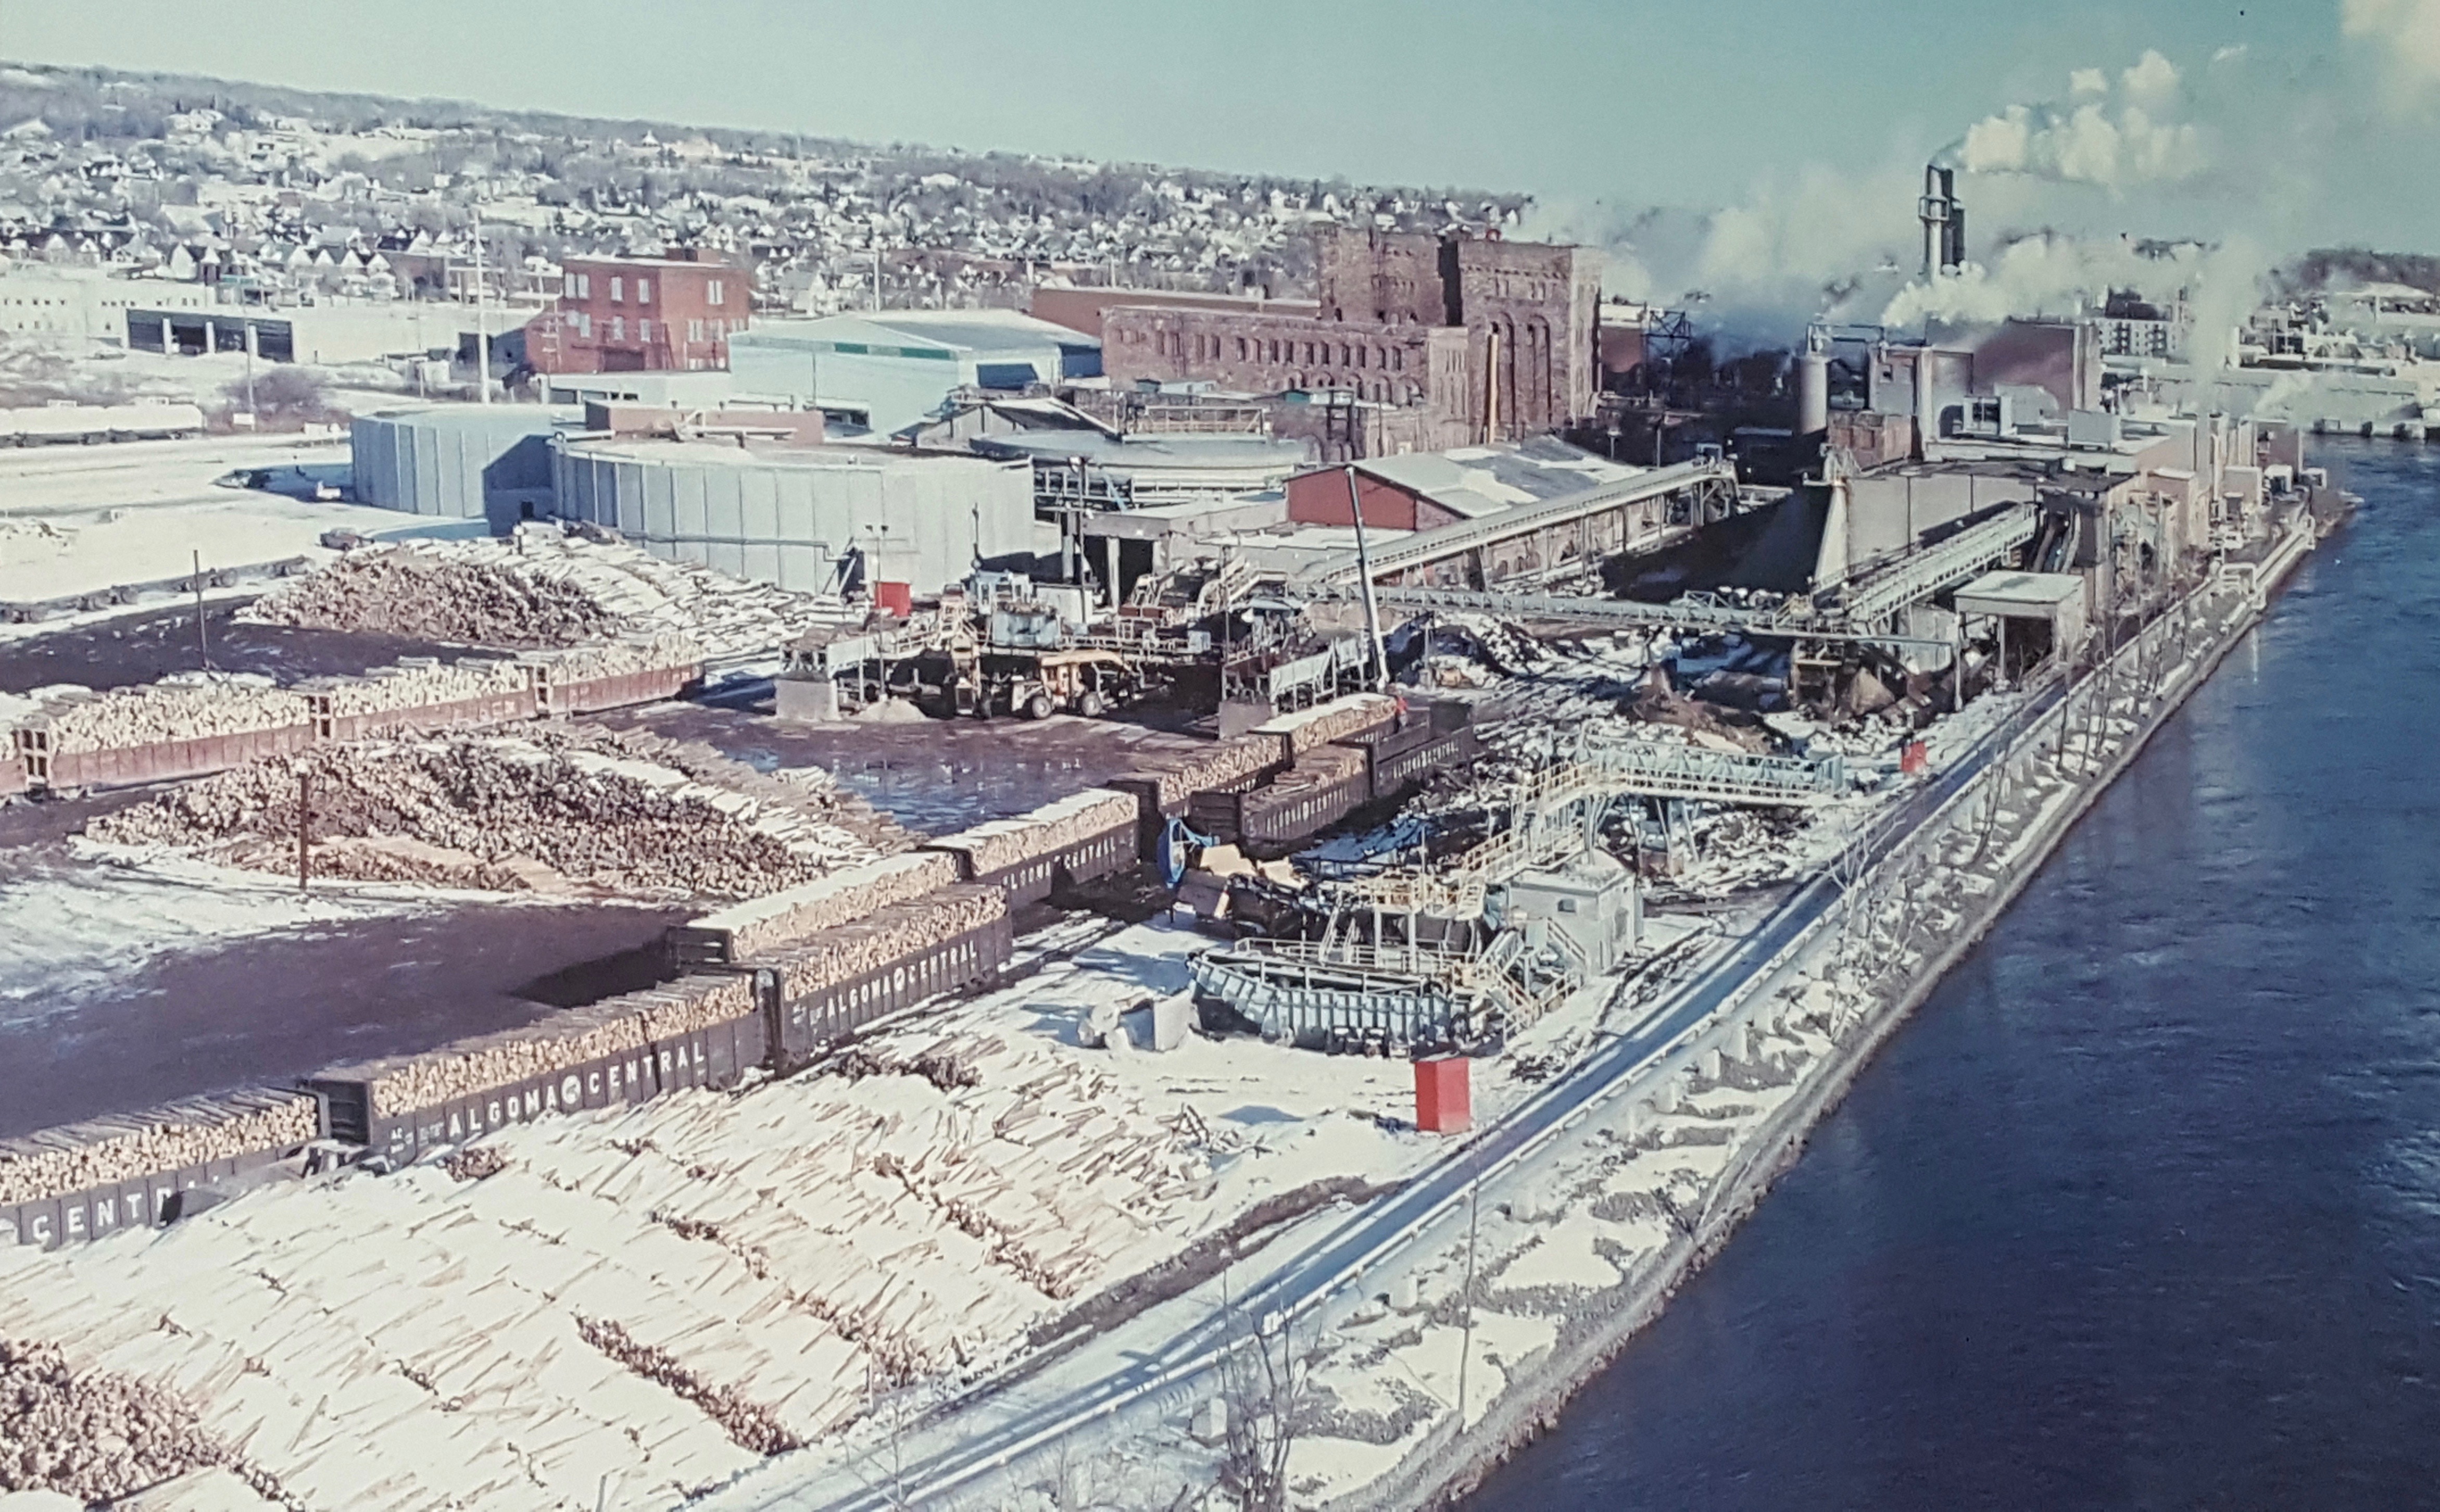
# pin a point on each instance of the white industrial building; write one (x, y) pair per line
(75, 307)
(798, 516)
(897, 367)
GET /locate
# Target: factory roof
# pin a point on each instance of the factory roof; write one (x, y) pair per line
(1473, 482)
(1266, 454)
(727, 453)
(915, 334)
(2021, 595)
(483, 419)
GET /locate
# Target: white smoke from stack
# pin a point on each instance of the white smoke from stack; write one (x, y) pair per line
(2045, 274)
(2406, 35)
(2086, 141)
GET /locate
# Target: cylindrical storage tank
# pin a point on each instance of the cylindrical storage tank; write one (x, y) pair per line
(1812, 393)
(787, 515)
(467, 462)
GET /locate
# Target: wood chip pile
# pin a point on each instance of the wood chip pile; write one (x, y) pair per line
(1335, 720)
(652, 1295)
(417, 683)
(492, 812)
(611, 1027)
(188, 708)
(540, 588)
(761, 925)
(869, 944)
(1229, 765)
(92, 1435)
(129, 1146)
(999, 844)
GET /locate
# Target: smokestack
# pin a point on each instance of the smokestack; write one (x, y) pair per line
(1943, 221)
(1812, 385)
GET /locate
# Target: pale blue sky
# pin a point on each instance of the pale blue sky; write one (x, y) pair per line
(1682, 103)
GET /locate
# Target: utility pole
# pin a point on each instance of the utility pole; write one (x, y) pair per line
(1465, 1333)
(250, 415)
(482, 337)
(202, 644)
(1363, 574)
(304, 828)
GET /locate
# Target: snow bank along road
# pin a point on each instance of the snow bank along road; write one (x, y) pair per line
(1119, 1371)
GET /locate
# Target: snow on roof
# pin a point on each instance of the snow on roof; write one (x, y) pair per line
(1472, 481)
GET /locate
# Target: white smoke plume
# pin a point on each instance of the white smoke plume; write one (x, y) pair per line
(2090, 142)
(2406, 34)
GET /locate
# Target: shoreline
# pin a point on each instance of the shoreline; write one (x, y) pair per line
(1449, 1463)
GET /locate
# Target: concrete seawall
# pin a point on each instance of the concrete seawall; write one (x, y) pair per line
(1443, 1464)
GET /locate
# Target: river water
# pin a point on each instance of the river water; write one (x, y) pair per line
(2143, 1209)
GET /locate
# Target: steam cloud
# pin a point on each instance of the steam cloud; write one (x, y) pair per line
(2086, 142)
(2407, 32)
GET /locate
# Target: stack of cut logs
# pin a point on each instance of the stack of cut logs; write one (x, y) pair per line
(459, 810)
(873, 943)
(611, 1027)
(188, 709)
(93, 1435)
(617, 658)
(128, 1147)
(1335, 720)
(999, 844)
(417, 682)
(842, 897)
(1229, 766)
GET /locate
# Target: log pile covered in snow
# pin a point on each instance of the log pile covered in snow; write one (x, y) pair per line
(999, 844)
(547, 809)
(611, 1027)
(190, 706)
(129, 1146)
(629, 1307)
(541, 588)
(891, 935)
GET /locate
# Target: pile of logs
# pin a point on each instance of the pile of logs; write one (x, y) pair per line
(485, 811)
(1335, 720)
(749, 1426)
(128, 1147)
(999, 844)
(615, 1026)
(417, 682)
(541, 588)
(888, 937)
(745, 931)
(185, 708)
(1224, 768)
(619, 658)
(93, 1435)
(424, 592)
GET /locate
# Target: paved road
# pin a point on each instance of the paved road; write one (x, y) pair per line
(1310, 1274)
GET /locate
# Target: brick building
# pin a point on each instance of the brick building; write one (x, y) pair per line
(1486, 338)
(671, 314)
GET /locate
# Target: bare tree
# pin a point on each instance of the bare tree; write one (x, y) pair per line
(1265, 1384)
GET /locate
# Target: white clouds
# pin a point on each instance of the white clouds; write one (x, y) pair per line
(2407, 32)
(2088, 142)
(2152, 83)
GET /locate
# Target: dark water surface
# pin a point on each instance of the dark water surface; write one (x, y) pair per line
(2143, 1209)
